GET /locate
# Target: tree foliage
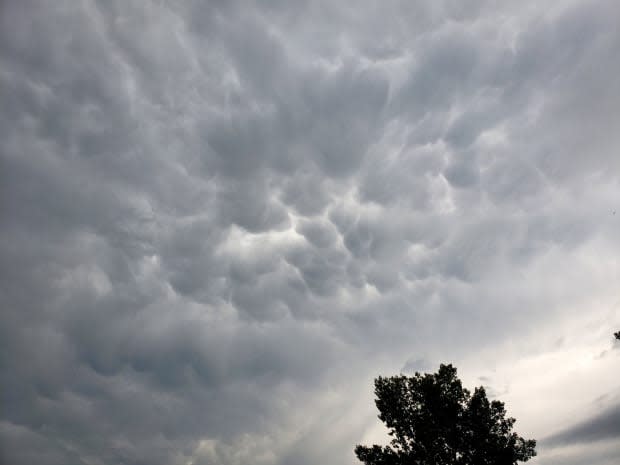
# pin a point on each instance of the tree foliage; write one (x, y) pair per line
(433, 420)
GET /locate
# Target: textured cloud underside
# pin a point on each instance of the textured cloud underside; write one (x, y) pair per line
(219, 222)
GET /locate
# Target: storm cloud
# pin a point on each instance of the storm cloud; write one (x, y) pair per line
(220, 221)
(606, 425)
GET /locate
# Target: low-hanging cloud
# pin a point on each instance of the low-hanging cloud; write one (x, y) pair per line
(220, 221)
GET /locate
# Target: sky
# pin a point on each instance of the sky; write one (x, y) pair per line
(221, 220)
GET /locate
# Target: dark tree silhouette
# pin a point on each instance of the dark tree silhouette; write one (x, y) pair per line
(435, 421)
(617, 335)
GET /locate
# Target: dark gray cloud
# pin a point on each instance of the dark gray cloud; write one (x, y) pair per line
(605, 425)
(219, 222)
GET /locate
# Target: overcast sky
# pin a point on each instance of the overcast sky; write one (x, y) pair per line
(220, 221)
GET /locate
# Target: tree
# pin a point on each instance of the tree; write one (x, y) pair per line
(433, 420)
(617, 335)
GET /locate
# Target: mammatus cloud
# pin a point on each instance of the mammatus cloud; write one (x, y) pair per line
(220, 222)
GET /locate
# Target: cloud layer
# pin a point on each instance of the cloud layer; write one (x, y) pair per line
(221, 221)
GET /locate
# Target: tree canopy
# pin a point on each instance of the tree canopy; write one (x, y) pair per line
(433, 420)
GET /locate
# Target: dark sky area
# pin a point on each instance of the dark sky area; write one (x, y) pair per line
(220, 220)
